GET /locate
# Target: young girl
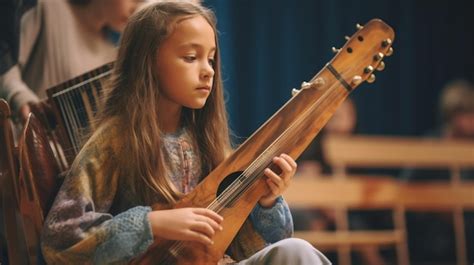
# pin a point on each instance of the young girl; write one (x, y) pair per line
(163, 128)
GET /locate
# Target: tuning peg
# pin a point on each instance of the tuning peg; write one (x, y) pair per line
(305, 85)
(347, 38)
(334, 50)
(356, 80)
(386, 42)
(368, 69)
(378, 56)
(381, 66)
(389, 52)
(358, 26)
(295, 91)
(371, 78)
(319, 82)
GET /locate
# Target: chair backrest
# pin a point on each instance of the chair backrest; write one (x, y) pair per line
(398, 152)
(308, 192)
(41, 173)
(8, 161)
(39, 181)
(9, 189)
(372, 192)
(377, 192)
(329, 192)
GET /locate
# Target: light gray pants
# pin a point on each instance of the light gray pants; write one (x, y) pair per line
(290, 251)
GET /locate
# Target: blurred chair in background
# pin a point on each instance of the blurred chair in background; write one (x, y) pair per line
(313, 162)
(13, 245)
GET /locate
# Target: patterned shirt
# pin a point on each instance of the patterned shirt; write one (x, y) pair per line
(96, 220)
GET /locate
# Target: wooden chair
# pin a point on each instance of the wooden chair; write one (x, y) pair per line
(308, 192)
(9, 189)
(39, 181)
(401, 152)
(341, 195)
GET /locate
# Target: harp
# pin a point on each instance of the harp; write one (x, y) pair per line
(234, 187)
(70, 110)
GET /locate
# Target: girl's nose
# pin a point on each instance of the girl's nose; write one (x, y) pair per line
(207, 71)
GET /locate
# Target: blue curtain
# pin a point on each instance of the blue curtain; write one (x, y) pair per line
(271, 46)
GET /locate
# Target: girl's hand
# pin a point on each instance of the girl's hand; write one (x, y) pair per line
(278, 183)
(187, 224)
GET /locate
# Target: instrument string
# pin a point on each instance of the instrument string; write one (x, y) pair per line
(72, 107)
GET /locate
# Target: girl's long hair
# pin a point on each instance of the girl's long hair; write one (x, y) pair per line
(132, 100)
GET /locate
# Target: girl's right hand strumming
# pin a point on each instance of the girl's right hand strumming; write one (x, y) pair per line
(187, 224)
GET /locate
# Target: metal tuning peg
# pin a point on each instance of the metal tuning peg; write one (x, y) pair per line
(358, 26)
(371, 78)
(381, 66)
(386, 42)
(356, 80)
(389, 52)
(319, 82)
(305, 85)
(368, 69)
(378, 56)
(334, 50)
(347, 38)
(294, 92)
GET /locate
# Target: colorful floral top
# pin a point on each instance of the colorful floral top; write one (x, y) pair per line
(95, 219)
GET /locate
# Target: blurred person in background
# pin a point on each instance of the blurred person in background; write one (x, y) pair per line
(457, 110)
(431, 235)
(58, 41)
(343, 122)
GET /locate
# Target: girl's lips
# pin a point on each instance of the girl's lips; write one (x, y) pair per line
(204, 88)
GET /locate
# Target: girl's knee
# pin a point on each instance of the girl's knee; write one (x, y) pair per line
(299, 251)
(294, 244)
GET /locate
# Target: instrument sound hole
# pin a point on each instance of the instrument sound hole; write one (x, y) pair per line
(225, 183)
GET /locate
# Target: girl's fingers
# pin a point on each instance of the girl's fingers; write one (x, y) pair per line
(274, 181)
(211, 222)
(199, 237)
(203, 228)
(273, 187)
(272, 175)
(209, 213)
(283, 164)
(290, 160)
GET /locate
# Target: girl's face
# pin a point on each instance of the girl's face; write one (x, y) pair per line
(185, 64)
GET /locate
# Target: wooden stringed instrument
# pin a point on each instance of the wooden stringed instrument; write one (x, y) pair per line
(234, 187)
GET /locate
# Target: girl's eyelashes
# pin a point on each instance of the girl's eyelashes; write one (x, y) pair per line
(192, 58)
(189, 58)
(212, 62)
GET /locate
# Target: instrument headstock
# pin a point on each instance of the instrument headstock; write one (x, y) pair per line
(361, 55)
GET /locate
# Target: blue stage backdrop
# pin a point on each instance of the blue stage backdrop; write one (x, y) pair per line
(271, 46)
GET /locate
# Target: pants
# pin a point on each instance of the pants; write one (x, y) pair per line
(290, 251)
